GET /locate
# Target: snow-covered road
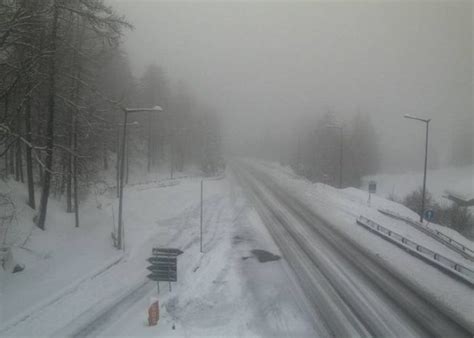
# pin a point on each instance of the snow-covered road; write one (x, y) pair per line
(334, 278)
(224, 291)
(352, 291)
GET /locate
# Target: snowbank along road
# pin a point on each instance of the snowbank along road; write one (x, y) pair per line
(326, 284)
(353, 293)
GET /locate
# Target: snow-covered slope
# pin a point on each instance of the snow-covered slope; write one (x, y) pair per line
(61, 256)
(459, 180)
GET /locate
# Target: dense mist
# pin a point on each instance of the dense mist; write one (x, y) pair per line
(268, 68)
(243, 168)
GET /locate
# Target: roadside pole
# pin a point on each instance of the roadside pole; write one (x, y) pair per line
(201, 209)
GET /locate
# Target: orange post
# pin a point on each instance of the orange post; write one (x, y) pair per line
(153, 313)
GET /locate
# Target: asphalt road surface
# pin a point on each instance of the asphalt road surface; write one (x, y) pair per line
(353, 293)
(350, 290)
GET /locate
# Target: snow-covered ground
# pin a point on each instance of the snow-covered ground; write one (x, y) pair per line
(340, 208)
(224, 291)
(74, 275)
(459, 180)
(59, 259)
(354, 202)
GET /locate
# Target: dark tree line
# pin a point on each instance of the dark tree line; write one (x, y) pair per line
(336, 153)
(64, 81)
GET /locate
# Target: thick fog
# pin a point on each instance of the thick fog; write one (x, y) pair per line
(268, 67)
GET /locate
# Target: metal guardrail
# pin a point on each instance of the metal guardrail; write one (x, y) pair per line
(437, 235)
(435, 259)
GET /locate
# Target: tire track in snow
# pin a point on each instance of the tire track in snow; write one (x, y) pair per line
(422, 311)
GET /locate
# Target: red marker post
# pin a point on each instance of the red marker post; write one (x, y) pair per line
(153, 312)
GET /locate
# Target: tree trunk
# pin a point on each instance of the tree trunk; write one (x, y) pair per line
(29, 161)
(12, 160)
(49, 124)
(5, 157)
(17, 150)
(74, 174)
(105, 155)
(118, 162)
(20, 163)
(75, 122)
(69, 159)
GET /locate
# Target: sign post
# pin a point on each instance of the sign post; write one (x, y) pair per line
(164, 265)
(372, 190)
(429, 215)
(163, 268)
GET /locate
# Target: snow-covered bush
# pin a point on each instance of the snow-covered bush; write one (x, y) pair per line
(454, 216)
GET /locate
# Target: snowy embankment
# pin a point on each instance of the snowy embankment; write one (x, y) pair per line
(340, 208)
(61, 259)
(74, 277)
(458, 180)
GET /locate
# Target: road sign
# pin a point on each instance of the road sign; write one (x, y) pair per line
(161, 260)
(164, 265)
(166, 252)
(372, 187)
(162, 268)
(163, 276)
(429, 215)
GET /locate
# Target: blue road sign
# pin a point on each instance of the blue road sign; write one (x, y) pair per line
(372, 187)
(429, 214)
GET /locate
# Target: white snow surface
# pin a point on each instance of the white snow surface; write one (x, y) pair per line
(341, 207)
(73, 275)
(455, 180)
(459, 180)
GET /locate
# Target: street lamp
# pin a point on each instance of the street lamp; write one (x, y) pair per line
(126, 111)
(134, 123)
(427, 121)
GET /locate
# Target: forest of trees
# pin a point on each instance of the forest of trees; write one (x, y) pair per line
(64, 84)
(336, 153)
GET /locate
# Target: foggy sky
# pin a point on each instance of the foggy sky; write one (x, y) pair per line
(264, 65)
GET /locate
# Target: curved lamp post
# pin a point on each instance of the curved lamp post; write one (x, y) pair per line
(427, 122)
(126, 111)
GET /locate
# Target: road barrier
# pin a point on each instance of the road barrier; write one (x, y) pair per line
(454, 269)
(435, 234)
